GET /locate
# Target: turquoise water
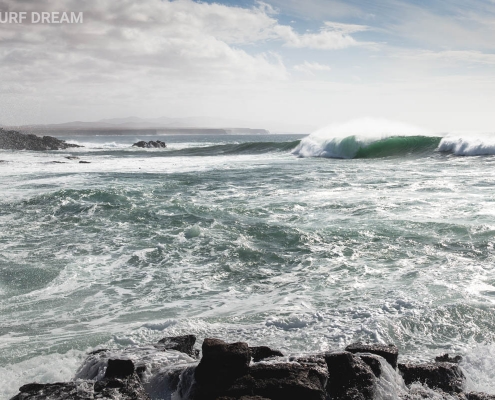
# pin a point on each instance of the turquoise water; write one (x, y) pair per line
(263, 239)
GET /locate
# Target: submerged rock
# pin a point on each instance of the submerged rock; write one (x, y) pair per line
(372, 361)
(150, 145)
(389, 352)
(479, 396)
(349, 377)
(447, 358)
(441, 375)
(184, 344)
(13, 140)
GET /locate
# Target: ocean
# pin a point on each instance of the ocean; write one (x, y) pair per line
(304, 244)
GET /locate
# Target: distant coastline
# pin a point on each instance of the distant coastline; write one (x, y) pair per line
(72, 131)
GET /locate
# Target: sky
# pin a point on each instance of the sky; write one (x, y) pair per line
(285, 65)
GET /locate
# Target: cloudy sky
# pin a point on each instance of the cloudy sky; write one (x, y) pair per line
(282, 64)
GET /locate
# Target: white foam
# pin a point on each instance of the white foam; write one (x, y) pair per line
(479, 366)
(390, 385)
(468, 145)
(41, 369)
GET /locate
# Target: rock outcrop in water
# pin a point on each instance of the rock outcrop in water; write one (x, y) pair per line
(152, 144)
(13, 140)
(235, 371)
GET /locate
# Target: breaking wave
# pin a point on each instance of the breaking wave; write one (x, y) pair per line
(356, 147)
(376, 138)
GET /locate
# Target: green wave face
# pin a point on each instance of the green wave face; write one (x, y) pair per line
(234, 149)
(399, 146)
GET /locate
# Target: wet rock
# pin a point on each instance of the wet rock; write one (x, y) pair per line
(281, 382)
(72, 158)
(479, 396)
(372, 361)
(98, 351)
(84, 162)
(314, 360)
(349, 377)
(388, 352)
(261, 352)
(447, 358)
(221, 364)
(183, 344)
(119, 368)
(441, 375)
(150, 145)
(13, 140)
(129, 388)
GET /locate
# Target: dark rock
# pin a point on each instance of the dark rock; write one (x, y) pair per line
(349, 377)
(281, 382)
(183, 344)
(119, 368)
(447, 358)
(84, 162)
(150, 145)
(479, 396)
(221, 364)
(72, 158)
(261, 352)
(129, 388)
(372, 361)
(97, 351)
(444, 376)
(13, 140)
(388, 352)
(242, 398)
(315, 360)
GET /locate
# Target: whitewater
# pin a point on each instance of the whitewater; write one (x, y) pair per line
(302, 243)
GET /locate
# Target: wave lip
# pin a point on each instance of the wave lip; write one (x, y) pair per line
(359, 147)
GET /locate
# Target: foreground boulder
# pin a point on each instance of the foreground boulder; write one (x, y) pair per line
(150, 145)
(221, 364)
(13, 140)
(440, 375)
(280, 382)
(129, 388)
(389, 352)
(350, 378)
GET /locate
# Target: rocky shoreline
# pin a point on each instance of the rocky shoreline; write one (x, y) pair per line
(173, 370)
(13, 140)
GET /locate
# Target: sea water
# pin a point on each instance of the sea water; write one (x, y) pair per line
(304, 244)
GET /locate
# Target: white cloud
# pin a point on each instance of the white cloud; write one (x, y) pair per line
(427, 59)
(311, 68)
(332, 36)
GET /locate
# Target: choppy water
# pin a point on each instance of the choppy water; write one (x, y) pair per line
(257, 238)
